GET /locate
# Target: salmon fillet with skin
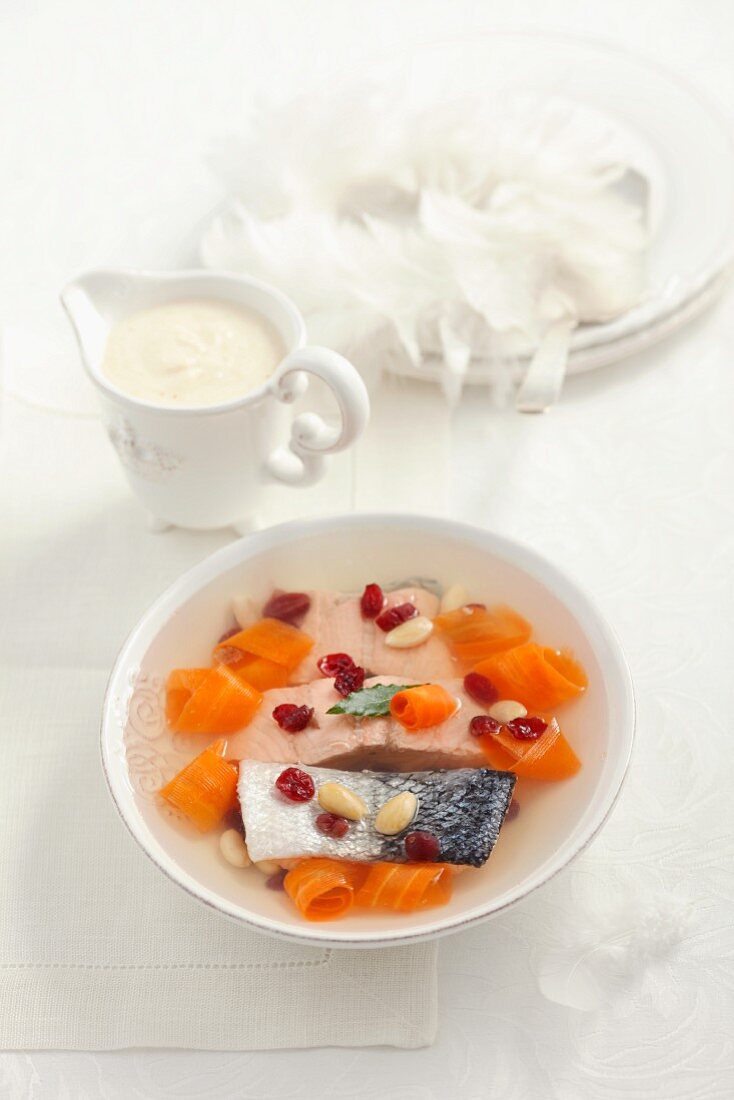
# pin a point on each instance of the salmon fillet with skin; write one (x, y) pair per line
(336, 624)
(341, 741)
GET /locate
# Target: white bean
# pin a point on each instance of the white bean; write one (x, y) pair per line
(233, 848)
(410, 634)
(267, 866)
(507, 710)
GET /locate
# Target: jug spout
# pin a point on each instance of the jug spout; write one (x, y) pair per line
(93, 302)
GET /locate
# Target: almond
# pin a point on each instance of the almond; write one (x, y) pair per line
(396, 814)
(453, 598)
(409, 634)
(335, 798)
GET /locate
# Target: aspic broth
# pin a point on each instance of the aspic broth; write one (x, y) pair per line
(338, 562)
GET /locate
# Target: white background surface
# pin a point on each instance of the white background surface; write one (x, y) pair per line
(109, 111)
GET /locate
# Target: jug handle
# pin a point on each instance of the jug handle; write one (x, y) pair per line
(303, 460)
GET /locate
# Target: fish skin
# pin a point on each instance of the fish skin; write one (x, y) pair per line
(464, 808)
(430, 584)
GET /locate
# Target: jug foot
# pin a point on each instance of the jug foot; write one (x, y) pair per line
(158, 525)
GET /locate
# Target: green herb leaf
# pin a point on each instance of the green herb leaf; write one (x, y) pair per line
(371, 702)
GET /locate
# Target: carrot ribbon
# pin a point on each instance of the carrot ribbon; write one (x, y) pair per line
(419, 708)
(548, 757)
(206, 789)
(538, 677)
(324, 889)
(478, 632)
(210, 700)
(271, 640)
(405, 887)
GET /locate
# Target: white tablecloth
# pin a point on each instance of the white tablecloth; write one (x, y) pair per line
(616, 980)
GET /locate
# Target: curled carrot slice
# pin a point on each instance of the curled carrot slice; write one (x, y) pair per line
(258, 671)
(549, 757)
(539, 677)
(273, 640)
(497, 758)
(206, 789)
(263, 674)
(478, 632)
(323, 889)
(221, 701)
(181, 685)
(419, 708)
(405, 887)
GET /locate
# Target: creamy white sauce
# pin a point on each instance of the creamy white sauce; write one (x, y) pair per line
(191, 353)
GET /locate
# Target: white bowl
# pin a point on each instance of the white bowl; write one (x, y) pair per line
(556, 820)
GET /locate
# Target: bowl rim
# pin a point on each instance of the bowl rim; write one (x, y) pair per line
(590, 619)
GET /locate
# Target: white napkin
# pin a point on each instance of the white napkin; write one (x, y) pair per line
(97, 949)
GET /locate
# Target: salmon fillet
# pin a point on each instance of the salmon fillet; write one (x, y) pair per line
(335, 622)
(341, 741)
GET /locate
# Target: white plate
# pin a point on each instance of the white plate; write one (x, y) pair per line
(667, 126)
(599, 355)
(556, 820)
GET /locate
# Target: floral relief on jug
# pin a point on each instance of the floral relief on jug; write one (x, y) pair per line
(143, 458)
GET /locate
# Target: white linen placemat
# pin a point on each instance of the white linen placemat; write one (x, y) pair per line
(97, 949)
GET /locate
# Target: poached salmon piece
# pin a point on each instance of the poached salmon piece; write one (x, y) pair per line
(463, 809)
(335, 622)
(341, 741)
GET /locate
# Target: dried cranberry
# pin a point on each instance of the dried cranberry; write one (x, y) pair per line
(527, 729)
(512, 811)
(394, 616)
(334, 663)
(372, 602)
(291, 718)
(482, 724)
(289, 607)
(349, 680)
(276, 881)
(296, 785)
(480, 688)
(332, 825)
(422, 846)
(229, 634)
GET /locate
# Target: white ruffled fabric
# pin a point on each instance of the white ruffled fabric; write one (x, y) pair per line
(448, 229)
